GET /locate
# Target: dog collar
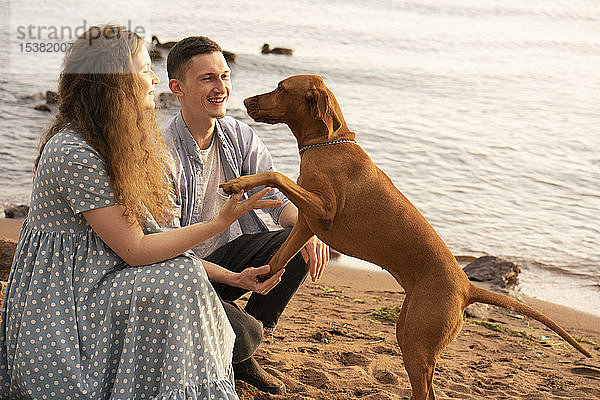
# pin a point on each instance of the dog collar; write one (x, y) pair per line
(310, 146)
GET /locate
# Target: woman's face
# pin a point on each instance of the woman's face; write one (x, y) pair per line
(142, 64)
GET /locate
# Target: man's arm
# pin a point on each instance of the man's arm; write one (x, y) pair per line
(288, 216)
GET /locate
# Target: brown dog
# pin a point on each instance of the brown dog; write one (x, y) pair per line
(350, 204)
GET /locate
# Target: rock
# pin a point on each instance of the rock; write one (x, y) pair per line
(42, 107)
(19, 211)
(321, 336)
(478, 310)
(51, 97)
(166, 45)
(7, 252)
(495, 270)
(464, 260)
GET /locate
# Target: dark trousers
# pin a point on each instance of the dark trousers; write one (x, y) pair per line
(256, 250)
(248, 331)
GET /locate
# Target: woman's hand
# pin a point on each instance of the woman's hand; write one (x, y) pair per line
(234, 208)
(250, 279)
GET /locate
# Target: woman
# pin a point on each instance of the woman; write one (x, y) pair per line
(95, 308)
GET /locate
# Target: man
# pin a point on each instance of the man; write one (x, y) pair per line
(210, 148)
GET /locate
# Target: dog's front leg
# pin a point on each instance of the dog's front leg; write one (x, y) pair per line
(297, 239)
(315, 205)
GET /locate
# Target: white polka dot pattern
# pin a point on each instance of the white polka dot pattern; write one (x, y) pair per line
(79, 323)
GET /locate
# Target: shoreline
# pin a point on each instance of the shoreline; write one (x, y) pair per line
(565, 316)
(11, 227)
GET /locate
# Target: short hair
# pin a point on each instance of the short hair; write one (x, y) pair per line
(181, 54)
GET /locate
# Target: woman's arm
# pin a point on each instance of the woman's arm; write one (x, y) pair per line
(135, 248)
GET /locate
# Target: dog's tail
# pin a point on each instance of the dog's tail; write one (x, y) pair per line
(479, 295)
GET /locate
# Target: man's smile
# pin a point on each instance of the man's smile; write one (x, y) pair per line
(217, 100)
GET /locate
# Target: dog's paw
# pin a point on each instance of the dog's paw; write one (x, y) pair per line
(231, 187)
(245, 183)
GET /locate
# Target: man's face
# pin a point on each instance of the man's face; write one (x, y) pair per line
(207, 84)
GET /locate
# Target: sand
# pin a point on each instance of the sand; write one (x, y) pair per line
(332, 344)
(329, 345)
(10, 228)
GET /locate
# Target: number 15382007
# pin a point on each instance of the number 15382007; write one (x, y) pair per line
(37, 47)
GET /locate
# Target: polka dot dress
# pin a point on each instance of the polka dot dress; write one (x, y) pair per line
(78, 322)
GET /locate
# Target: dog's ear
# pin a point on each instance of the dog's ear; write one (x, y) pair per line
(317, 102)
(321, 108)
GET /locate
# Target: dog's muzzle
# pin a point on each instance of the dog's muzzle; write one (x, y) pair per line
(251, 106)
(249, 101)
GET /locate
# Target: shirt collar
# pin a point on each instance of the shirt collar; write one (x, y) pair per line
(189, 144)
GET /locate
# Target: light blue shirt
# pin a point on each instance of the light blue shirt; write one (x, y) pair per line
(242, 153)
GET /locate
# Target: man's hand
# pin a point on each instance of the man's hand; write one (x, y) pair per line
(249, 279)
(316, 254)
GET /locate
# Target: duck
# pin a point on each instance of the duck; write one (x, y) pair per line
(229, 56)
(158, 44)
(43, 107)
(277, 50)
(155, 53)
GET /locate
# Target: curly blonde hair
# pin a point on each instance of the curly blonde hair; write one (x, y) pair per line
(101, 98)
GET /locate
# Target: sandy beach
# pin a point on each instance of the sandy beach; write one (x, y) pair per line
(330, 344)
(334, 341)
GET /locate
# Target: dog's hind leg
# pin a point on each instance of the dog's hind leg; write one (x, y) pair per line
(430, 325)
(401, 321)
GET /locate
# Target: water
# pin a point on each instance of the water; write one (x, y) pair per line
(484, 114)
